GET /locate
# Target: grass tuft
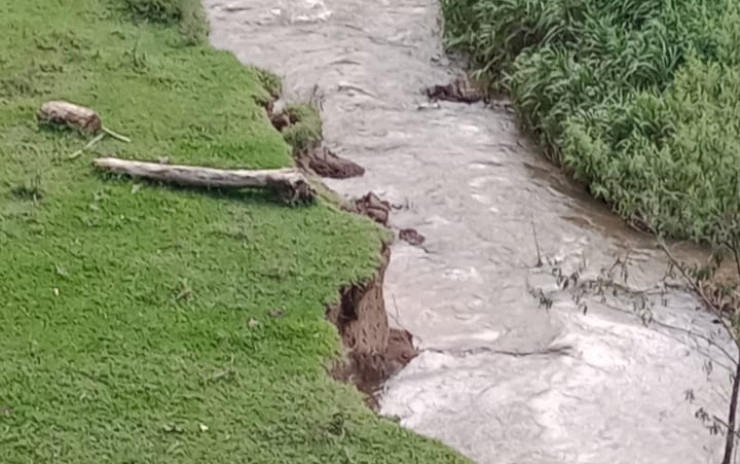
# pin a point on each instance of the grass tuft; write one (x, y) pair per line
(188, 15)
(305, 128)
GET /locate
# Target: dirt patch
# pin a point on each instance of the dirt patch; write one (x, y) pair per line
(282, 120)
(325, 163)
(371, 206)
(375, 351)
(460, 90)
(411, 236)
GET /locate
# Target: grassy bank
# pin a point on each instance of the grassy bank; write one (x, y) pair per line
(145, 324)
(638, 98)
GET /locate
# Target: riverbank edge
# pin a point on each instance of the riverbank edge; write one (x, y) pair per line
(372, 350)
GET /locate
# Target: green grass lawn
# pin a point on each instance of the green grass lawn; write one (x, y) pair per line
(640, 99)
(136, 321)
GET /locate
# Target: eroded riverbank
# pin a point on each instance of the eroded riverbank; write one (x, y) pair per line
(499, 378)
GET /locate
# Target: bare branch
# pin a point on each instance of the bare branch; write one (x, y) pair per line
(699, 291)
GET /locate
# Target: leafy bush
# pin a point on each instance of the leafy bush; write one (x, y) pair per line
(639, 98)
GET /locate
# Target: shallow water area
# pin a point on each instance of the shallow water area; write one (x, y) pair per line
(500, 377)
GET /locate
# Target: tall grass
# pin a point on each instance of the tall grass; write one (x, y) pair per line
(640, 99)
(187, 14)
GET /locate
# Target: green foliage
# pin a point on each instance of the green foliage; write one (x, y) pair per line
(638, 98)
(138, 321)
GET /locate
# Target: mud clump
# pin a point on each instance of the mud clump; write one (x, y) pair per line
(325, 163)
(308, 151)
(281, 120)
(375, 351)
(411, 236)
(460, 90)
(371, 206)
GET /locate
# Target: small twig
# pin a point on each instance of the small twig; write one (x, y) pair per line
(691, 333)
(397, 318)
(89, 145)
(709, 341)
(116, 135)
(707, 303)
(537, 245)
(725, 425)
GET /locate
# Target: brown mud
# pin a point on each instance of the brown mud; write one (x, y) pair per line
(374, 350)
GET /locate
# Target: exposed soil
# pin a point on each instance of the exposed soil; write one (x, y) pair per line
(282, 120)
(371, 206)
(375, 351)
(325, 163)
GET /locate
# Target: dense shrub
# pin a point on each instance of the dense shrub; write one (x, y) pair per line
(639, 98)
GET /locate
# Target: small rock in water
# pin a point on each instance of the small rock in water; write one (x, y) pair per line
(411, 236)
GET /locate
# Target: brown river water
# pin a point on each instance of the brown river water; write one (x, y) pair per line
(500, 378)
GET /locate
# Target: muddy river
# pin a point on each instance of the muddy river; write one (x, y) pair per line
(513, 368)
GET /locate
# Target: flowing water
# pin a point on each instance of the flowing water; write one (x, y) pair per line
(513, 368)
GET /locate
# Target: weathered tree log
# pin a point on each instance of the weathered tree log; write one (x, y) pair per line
(63, 113)
(290, 182)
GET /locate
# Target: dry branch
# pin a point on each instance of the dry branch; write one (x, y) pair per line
(290, 182)
(708, 304)
(62, 113)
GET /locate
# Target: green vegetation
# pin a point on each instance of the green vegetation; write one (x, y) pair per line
(140, 323)
(638, 98)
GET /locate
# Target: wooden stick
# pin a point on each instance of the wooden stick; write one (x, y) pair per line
(291, 182)
(116, 135)
(89, 145)
(65, 113)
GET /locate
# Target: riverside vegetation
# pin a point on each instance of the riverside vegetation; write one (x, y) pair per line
(140, 323)
(639, 99)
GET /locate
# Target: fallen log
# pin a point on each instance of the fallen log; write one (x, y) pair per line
(291, 183)
(62, 113)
